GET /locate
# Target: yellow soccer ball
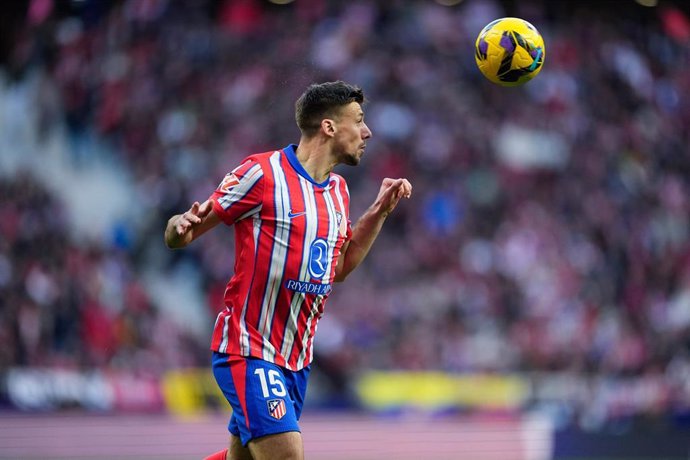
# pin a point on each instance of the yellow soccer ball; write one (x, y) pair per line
(509, 51)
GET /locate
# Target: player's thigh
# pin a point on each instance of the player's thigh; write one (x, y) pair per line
(238, 451)
(283, 446)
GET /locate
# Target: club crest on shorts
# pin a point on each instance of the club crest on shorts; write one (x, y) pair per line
(276, 408)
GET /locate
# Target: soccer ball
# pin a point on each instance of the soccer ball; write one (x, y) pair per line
(509, 51)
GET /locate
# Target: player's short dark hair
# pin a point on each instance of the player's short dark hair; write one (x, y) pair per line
(322, 100)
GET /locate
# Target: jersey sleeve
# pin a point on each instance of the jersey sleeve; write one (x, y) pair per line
(344, 196)
(240, 194)
(348, 221)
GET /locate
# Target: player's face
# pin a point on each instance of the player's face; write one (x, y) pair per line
(351, 134)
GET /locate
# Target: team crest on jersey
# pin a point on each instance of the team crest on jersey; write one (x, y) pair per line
(276, 408)
(229, 181)
(342, 226)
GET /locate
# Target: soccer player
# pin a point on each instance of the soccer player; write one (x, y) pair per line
(294, 239)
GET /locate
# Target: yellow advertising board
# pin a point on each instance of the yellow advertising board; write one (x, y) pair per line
(436, 390)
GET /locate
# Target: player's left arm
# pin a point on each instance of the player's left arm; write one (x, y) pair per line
(368, 226)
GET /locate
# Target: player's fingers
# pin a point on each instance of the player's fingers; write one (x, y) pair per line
(401, 190)
(387, 182)
(182, 226)
(205, 208)
(191, 218)
(395, 184)
(195, 208)
(391, 188)
(408, 188)
(403, 186)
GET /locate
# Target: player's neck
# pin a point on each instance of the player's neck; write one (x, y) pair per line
(314, 156)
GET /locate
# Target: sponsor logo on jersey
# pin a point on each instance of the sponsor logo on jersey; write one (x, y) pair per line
(308, 288)
(318, 258)
(276, 408)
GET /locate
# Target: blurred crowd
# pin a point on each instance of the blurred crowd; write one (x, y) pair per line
(75, 306)
(549, 226)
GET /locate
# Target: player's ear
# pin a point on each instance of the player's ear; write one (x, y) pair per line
(328, 127)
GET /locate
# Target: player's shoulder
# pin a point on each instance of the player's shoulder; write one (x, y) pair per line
(339, 182)
(261, 159)
(338, 178)
(255, 161)
(262, 156)
(254, 158)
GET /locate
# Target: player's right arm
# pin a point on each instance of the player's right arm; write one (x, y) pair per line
(238, 196)
(184, 228)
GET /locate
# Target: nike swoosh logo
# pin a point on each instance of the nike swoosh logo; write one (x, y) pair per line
(292, 215)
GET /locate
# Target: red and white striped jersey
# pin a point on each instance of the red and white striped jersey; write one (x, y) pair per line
(289, 231)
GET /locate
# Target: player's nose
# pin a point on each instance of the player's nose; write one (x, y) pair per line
(366, 132)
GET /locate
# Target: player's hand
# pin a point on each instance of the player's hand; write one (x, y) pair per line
(390, 193)
(186, 221)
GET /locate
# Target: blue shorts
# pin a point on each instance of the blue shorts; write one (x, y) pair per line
(265, 398)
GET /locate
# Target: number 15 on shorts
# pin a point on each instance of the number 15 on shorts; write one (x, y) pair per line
(271, 383)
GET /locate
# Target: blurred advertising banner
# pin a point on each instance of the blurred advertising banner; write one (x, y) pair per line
(592, 402)
(54, 389)
(440, 391)
(191, 391)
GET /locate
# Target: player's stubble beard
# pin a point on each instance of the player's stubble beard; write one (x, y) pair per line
(350, 158)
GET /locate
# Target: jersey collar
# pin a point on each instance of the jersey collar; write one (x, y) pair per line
(297, 166)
